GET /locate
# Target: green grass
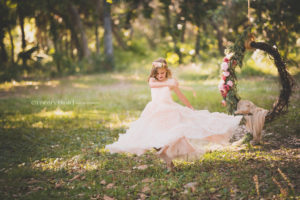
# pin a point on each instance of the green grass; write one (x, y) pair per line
(55, 150)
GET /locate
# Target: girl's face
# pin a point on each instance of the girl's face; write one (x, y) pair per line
(161, 74)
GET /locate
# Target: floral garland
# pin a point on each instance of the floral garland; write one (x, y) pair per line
(228, 84)
(234, 56)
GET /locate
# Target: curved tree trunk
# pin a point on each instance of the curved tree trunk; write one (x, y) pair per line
(12, 46)
(108, 44)
(117, 33)
(80, 28)
(21, 21)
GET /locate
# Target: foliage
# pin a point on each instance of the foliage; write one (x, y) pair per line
(235, 55)
(72, 32)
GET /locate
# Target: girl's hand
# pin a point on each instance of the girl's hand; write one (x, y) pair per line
(191, 107)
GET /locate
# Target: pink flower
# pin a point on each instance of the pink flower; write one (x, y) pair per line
(223, 102)
(224, 66)
(223, 77)
(226, 87)
(226, 59)
(230, 83)
(224, 93)
(221, 85)
(226, 74)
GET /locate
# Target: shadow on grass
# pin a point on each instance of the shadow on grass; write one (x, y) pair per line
(217, 175)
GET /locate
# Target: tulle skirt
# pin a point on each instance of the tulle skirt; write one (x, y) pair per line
(163, 122)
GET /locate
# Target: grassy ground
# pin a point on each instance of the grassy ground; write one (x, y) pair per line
(52, 136)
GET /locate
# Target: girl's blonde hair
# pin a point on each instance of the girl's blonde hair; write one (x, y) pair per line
(158, 64)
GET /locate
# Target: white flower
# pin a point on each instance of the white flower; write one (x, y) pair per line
(226, 74)
(224, 66)
(230, 83)
(157, 64)
(229, 55)
(221, 84)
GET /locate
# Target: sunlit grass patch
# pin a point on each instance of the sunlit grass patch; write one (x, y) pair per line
(6, 86)
(56, 113)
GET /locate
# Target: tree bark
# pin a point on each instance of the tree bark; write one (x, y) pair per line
(97, 24)
(3, 53)
(182, 38)
(151, 42)
(108, 43)
(119, 38)
(12, 46)
(21, 21)
(219, 38)
(74, 40)
(197, 44)
(80, 28)
(97, 39)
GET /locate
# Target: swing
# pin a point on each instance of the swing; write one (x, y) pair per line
(227, 86)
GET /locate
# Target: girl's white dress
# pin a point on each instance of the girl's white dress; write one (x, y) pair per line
(163, 121)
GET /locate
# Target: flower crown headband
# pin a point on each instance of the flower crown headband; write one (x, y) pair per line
(157, 64)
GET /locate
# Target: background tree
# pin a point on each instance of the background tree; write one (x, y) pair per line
(108, 44)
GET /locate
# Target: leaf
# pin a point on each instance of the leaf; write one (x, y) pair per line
(126, 171)
(145, 189)
(141, 167)
(212, 190)
(81, 195)
(133, 186)
(32, 181)
(148, 180)
(107, 198)
(37, 188)
(190, 185)
(142, 196)
(109, 186)
(59, 184)
(96, 197)
(75, 177)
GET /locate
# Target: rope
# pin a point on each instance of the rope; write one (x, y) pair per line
(249, 12)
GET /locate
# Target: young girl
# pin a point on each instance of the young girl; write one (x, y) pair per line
(174, 129)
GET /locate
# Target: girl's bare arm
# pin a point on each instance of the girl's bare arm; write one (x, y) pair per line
(155, 84)
(182, 97)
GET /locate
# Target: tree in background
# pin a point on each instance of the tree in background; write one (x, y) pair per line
(108, 44)
(278, 23)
